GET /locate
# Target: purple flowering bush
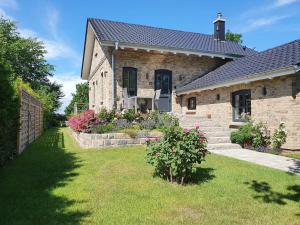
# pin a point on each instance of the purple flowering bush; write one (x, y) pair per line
(175, 155)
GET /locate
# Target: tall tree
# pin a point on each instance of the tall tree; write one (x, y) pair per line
(26, 58)
(81, 96)
(9, 113)
(230, 36)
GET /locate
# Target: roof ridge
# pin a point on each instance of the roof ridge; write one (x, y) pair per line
(148, 26)
(279, 46)
(162, 28)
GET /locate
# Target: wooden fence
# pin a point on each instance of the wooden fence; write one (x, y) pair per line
(31, 120)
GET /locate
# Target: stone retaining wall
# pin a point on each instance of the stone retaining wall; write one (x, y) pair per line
(109, 140)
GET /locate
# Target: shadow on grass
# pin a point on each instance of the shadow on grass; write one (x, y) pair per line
(27, 184)
(202, 175)
(264, 191)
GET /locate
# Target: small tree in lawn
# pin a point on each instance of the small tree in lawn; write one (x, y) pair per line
(176, 154)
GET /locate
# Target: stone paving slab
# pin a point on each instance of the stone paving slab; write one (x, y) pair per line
(264, 159)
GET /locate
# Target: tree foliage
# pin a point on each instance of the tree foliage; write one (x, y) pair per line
(230, 36)
(25, 56)
(8, 113)
(80, 96)
(22, 63)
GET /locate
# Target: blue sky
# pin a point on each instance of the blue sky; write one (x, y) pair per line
(61, 24)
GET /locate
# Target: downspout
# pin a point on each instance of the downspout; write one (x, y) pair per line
(113, 73)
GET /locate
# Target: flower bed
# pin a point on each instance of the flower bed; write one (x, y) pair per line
(109, 128)
(126, 122)
(257, 136)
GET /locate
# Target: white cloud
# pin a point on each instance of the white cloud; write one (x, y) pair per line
(52, 20)
(261, 22)
(27, 33)
(69, 81)
(56, 47)
(9, 4)
(280, 3)
(4, 15)
(263, 9)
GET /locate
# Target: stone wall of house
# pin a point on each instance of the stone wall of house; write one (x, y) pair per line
(184, 68)
(280, 104)
(100, 81)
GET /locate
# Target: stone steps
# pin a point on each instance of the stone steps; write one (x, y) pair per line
(217, 140)
(223, 146)
(218, 137)
(217, 134)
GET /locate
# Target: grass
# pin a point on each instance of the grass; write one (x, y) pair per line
(56, 182)
(295, 155)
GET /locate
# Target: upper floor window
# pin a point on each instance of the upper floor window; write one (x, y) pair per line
(130, 80)
(241, 104)
(192, 103)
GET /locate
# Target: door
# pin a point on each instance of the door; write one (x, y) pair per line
(163, 81)
(241, 103)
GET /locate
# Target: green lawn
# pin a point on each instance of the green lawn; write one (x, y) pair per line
(56, 182)
(295, 155)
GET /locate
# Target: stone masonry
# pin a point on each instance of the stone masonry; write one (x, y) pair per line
(280, 104)
(109, 140)
(100, 81)
(184, 68)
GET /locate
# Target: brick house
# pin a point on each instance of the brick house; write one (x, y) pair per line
(198, 74)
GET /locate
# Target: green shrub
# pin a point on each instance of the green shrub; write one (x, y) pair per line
(107, 116)
(148, 124)
(243, 136)
(279, 137)
(254, 135)
(261, 135)
(167, 120)
(131, 132)
(103, 128)
(176, 154)
(129, 115)
(122, 124)
(9, 114)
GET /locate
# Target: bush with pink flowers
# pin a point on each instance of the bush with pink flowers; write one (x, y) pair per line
(175, 155)
(84, 122)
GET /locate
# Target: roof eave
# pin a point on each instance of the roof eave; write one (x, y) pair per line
(90, 37)
(86, 27)
(123, 45)
(250, 78)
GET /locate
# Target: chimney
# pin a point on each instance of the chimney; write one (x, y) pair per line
(219, 28)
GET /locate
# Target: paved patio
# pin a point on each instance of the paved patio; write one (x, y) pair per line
(265, 159)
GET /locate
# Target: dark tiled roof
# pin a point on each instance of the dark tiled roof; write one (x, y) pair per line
(272, 59)
(159, 37)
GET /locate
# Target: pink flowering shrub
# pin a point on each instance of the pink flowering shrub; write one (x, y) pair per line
(175, 155)
(84, 122)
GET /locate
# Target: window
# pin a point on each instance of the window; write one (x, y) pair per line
(102, 89)
(192, 103)
(130, 80)
(241, 104)
(94, 92)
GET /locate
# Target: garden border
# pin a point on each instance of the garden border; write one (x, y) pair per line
(87, 140)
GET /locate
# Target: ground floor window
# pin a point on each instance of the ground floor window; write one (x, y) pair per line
(130, 80)
(241, 104)
(192, 103)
